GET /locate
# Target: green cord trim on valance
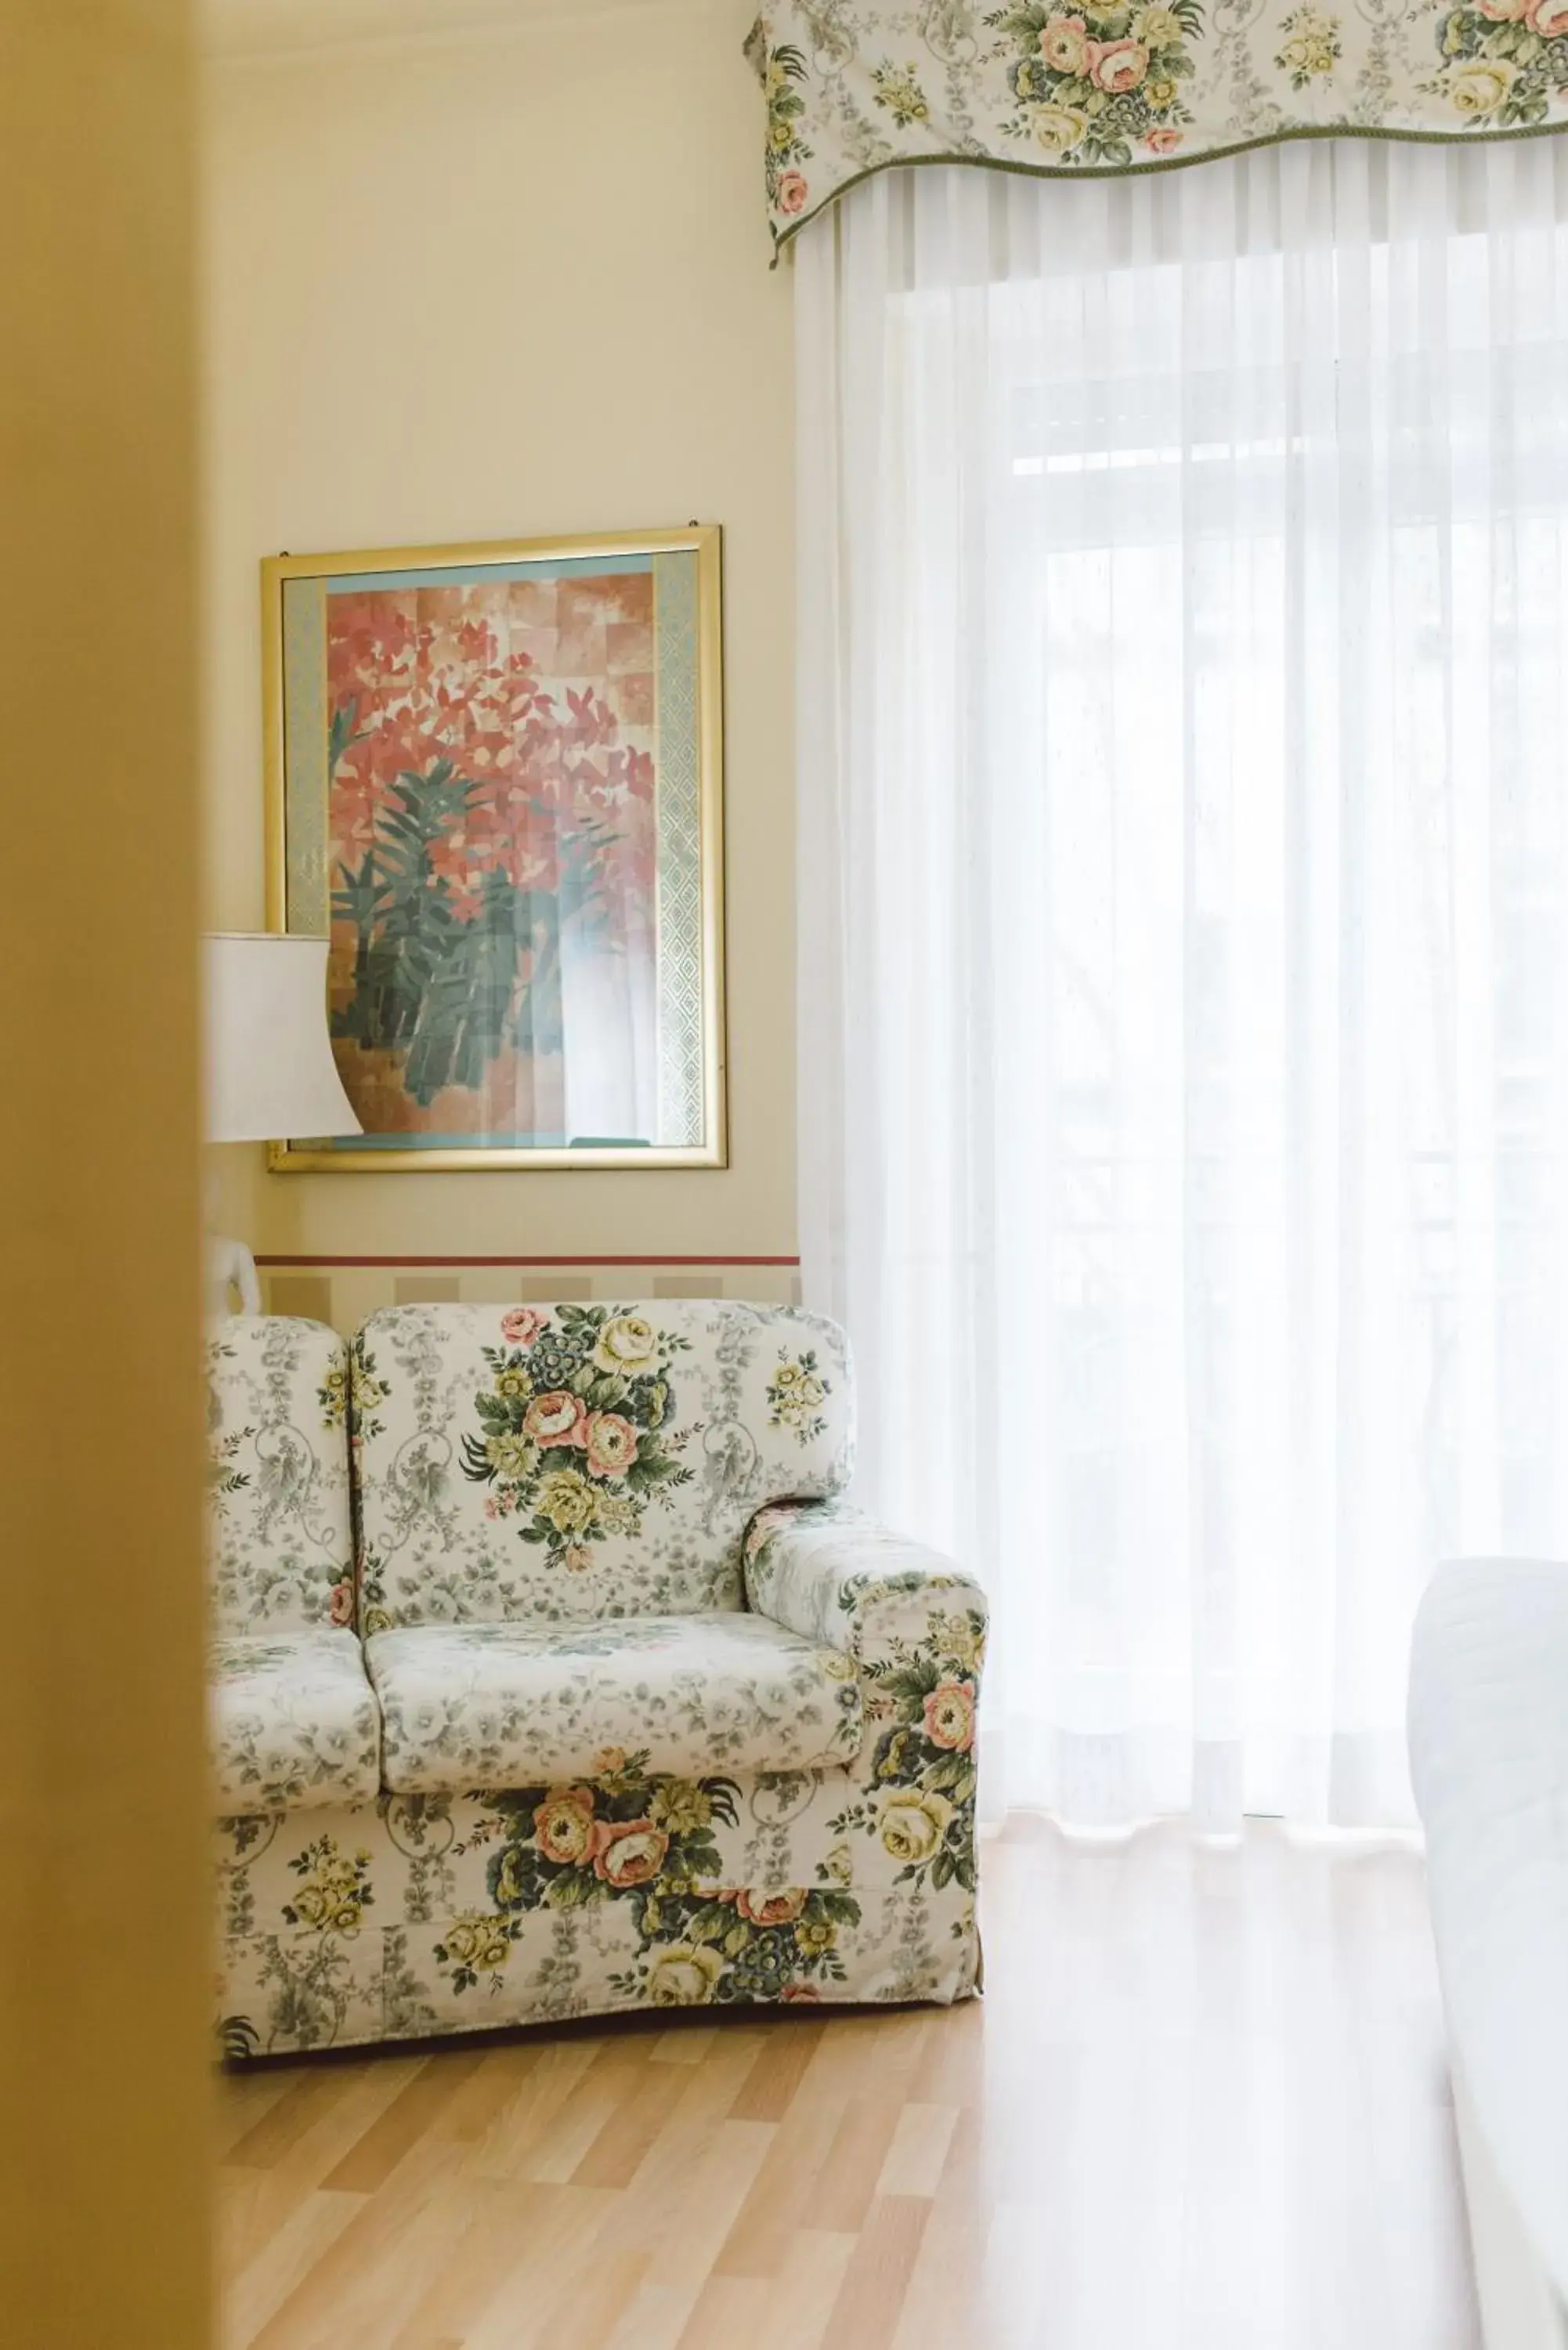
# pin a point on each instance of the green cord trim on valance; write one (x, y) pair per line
(1110, 88)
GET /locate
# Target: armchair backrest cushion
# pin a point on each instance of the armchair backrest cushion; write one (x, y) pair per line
(562, 1463)
(280, 1542)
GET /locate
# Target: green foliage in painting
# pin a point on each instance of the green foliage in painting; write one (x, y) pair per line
(450, 977)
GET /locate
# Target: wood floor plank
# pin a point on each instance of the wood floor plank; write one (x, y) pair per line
(410, 2117)
(360, 2287)
(655, 2204)
(488, 2090)
(842, 2193)
(515, 2247)
(504, 2217)
(313, 2092)
(567, 2140)
(716, 2187)
(550, 2277)
(774, 2208)
(256, 2204)
(503, 2150)
(942, 2298)
(728, 2310)
(287, 2258)
(656, 2319)
(247, 2094)
(917, 2150)
(634, 2124)
(589, 2306)
(778, 2072)
(871, 2298)
(685, 2044)
(802, 2296)
(951, 2068)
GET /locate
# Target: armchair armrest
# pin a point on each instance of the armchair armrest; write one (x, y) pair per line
(833, 1574)
(914, 1623)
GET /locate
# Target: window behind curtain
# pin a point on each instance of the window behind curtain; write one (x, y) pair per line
(1185, 928)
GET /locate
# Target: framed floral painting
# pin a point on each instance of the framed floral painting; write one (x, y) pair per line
(494, 785)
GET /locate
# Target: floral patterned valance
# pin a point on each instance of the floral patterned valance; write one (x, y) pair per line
(1108, 86)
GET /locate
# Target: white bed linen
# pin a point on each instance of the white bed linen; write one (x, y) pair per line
(1488, 1753)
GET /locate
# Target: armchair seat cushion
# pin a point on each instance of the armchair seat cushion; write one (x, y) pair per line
(508, 1705)
(292, 1722)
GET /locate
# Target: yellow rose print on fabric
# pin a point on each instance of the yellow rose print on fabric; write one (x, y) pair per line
(334, 1890)
(628, 1348)
(1311, 48)
(475, 1946)
(797, 1394)
(352, 1392)
(897, 87)
(685, 1975)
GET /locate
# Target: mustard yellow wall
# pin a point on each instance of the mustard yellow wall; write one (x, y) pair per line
(104, 1977)
(512, 281)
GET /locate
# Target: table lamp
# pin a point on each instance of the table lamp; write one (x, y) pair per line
(270, 1074)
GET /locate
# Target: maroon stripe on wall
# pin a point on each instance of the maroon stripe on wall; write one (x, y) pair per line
(417, 1263)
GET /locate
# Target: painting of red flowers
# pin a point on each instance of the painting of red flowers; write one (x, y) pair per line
(495, 790)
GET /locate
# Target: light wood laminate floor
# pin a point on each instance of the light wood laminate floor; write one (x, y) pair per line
(1202, 2106)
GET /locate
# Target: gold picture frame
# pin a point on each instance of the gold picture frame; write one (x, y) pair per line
(494, 779)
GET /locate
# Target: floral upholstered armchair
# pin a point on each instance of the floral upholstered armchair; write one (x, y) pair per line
(634, 1710)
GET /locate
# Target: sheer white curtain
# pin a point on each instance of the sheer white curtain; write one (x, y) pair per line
(1184, 929)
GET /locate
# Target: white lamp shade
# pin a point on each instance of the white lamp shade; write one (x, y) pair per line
(270, 1071)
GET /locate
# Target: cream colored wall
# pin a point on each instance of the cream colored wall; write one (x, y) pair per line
(510, 282)
(105, 1891)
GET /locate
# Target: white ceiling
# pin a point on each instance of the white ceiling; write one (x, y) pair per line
(249, 26)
